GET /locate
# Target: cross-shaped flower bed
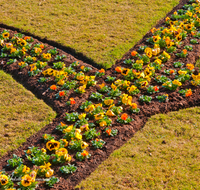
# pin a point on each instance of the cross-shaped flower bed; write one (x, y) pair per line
(98, 110)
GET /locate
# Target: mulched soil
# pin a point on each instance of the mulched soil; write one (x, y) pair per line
(126, 131)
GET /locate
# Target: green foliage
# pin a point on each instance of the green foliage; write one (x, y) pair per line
(68, 169)
(51, 181)
(15, 161)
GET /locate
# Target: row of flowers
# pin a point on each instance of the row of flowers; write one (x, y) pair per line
(114, 99)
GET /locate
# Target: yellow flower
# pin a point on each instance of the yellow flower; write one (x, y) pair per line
(176, 82)
(131, 89)
(158, 61)
(65, 141)
(180, 72)
(43, 150)
(3, 179)
(68, 129)
(148, 52)
(84, 127)
(61, 151)
(156, 38)
(52, 145)
(81, 116)
(108, 101)
(102, 85)
(12, 50)
(113, 87)
(84, 145)
(90, 108)
(166, 54)
(78, 131)
(110, 113)
(33, 175)
(196, 77)
(78, 136)
(38, 50)
(125, 71)
(99, 116)
(102, 123)
(82, 88)
(5, 35)
(26, 180)
(46, 166)
(80, 76)
(126, 99)
(9, 45)
(26, 169)
(60, 82)
(49, 173)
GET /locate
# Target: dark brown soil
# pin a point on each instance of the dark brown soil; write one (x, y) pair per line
(175, 103)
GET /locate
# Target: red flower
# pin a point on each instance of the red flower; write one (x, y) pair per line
(53, 87)
(184, 51)
(102, 71)
(72, 101)
(124, 116)
(188, 93)
(84, 153)
(61, 93)
(118, 69)
(108, 131)
(134, 53)
(155, 88)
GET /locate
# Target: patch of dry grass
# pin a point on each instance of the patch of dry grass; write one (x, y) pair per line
(22, 114)
(102, 30)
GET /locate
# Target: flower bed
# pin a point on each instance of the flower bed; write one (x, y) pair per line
(99, 110)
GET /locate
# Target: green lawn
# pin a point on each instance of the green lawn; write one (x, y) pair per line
(102, 30)
(22, 114)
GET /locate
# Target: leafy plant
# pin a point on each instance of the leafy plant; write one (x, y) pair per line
(51, 181)
(71, 117)
(68, 169)
(91, 134)
(98, 143)
(96, 96)
(163, 98)
(146, 99)
(15, 161)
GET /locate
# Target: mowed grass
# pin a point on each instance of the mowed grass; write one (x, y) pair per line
(21, 113)
(165, 154)
(102, 30)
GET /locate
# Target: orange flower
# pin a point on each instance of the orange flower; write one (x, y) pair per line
(108, 131)
(53, 87)
(118, 69)
(134, 106)
(124, 116)
(184, 51)
(188, 93)
(61, 93)
(42, 46)
(72, 101)
(27, 38)
(84, 153)
(134, 53)
(171, 72)
(190, 66)
(102, 71)
(155, 88)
